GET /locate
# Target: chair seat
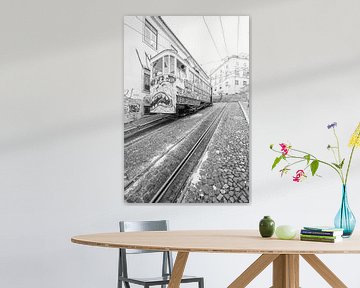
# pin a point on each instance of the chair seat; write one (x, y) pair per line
(158, 280)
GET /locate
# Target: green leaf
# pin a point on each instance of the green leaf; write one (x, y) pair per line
(339, 166)
(314, 166)
(276, 161)
(271, 146)
(336, 165)
(342, 163)
(307, 157)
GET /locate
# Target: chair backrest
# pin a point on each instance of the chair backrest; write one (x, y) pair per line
(137, 226)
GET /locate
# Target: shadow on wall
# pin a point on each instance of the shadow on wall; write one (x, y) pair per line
(55, 134)
(310, 74)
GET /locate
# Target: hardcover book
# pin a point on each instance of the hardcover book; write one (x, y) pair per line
(325, 240)
(321, 233)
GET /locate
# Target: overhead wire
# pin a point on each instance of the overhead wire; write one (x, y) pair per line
(211, 62)
(212, 38)
(238, 29)
(223, 34)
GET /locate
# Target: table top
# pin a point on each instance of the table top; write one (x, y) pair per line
(217, 241)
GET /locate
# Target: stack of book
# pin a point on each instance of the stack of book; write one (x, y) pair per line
(321, 234)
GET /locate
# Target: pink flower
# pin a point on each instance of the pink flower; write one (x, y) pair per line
(284, 148)
(300, 174)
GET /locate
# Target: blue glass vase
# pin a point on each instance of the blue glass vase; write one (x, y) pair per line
(345, 219)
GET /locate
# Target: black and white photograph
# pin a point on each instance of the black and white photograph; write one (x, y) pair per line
(186, 109)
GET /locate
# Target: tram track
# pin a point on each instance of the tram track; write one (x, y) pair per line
(134, 132)
(171, 190)
(154, 162)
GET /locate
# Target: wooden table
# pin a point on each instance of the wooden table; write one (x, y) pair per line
(284, 254)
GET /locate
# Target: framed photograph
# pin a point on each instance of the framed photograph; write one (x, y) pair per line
(186, 109)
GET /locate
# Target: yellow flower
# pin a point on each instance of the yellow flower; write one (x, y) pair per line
(355, 137)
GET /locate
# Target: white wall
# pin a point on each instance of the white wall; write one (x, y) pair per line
(61, 133)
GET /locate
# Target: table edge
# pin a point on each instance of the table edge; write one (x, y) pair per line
(205, 250)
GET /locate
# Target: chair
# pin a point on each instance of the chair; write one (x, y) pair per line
(167, 262)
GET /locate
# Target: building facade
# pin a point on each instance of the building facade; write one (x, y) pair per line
(232, 75)
(145, 38)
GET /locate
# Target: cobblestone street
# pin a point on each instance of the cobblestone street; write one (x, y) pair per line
(145, 152)
(219, 174)
(223, 174)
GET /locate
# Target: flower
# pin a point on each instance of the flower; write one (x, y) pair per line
(332, 125)
(294, 156)
(284, 148)
(300, 174)
(355, 137)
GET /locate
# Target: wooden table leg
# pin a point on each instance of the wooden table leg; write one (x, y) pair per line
(286, 271)
(178, 269)
(253, 270)
(324, 271)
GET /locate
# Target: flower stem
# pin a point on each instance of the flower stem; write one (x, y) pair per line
(312, 159)
(333, 152)
(304, 152)
(339, 156)
(337, 144)
(320, 161)
(296, 162)
(348, 167)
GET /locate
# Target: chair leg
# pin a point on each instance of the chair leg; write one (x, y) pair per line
(201, 283)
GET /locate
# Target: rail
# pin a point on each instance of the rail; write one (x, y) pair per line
(169, 182)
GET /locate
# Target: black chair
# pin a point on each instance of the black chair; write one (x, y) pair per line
(167, 262)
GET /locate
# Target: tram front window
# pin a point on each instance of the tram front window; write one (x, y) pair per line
(166, 64)
(157, 67)
(172, 64)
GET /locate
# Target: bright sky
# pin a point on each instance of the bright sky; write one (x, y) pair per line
(193, 33)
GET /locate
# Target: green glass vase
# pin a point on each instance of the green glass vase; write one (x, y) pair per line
(266, 227)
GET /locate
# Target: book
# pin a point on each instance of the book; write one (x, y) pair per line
(322, 230)
(320, 237)
(325, 240)
(321, 233)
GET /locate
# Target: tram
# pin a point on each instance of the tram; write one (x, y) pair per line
(176, 87)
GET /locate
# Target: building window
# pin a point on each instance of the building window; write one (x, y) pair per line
(150, 35)
(146, 81)
(236, 82)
